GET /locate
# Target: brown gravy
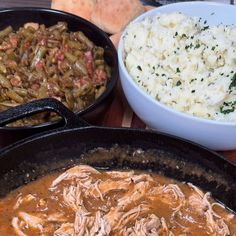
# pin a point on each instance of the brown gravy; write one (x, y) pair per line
(85, 201)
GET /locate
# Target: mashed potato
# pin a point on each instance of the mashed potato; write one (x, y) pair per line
(184, 63)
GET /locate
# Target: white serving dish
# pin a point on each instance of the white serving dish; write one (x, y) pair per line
(212, 134)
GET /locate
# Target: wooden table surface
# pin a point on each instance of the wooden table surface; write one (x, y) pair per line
(119, 113)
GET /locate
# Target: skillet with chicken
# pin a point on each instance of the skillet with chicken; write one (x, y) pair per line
(88, 201)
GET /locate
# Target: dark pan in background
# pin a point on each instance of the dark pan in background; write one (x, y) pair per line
(42, 154)
(16, 17)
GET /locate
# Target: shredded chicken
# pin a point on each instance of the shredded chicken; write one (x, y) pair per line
(66, 229)
(147, 226)
(131, 216)
(120, 204)
(23, 200)
(134, 194)
(16, 226)
(77, 172)
(32, 221)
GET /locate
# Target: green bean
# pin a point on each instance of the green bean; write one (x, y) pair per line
(33, 93)
(42, 93)
(75, 45)
(70, 57)
(100, 91)
(10, 54)
(85, 40)
(78, 53)
(60, 26)
(9, 104)
(80, 67)
(14, 96)
(4, 82)
(101, 67)
(27, 33)
(50, 62)
(99, 62)
(3, 68)
(21, 91)
(39, 54)
(98, 53)
(6, 32)
(69, 99)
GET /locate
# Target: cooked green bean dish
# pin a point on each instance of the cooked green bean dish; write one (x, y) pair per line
(38, 62)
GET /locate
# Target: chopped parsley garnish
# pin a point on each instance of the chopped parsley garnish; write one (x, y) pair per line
(205, 28)
(178, 83)
(193, 91)
(192, 80)
(213, 48)
(184, 36)
(233, 82)
(177, 70)
(197, 46)
(227, 107)
(139, 67)
(176, 33)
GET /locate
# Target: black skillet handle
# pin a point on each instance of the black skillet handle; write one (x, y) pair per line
(37, 106)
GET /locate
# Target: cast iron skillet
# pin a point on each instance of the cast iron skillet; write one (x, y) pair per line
(16, 17)
(34, 157)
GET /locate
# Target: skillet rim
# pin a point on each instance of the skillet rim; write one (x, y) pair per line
(61, 131)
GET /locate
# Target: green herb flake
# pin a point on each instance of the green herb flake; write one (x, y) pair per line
(213, 48)
(178, 83)
(193, 91)
(177, 70)
(205, 28)
(233, 82)
(227, 107)
(198, 46)
(176, 33)
(139, 67)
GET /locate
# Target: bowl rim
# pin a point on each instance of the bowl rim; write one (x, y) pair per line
(114, 76)
(153, 101)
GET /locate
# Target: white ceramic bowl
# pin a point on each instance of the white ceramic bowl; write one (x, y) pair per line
(212, 134)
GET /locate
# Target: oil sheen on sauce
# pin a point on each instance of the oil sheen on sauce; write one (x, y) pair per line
(86, 201)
